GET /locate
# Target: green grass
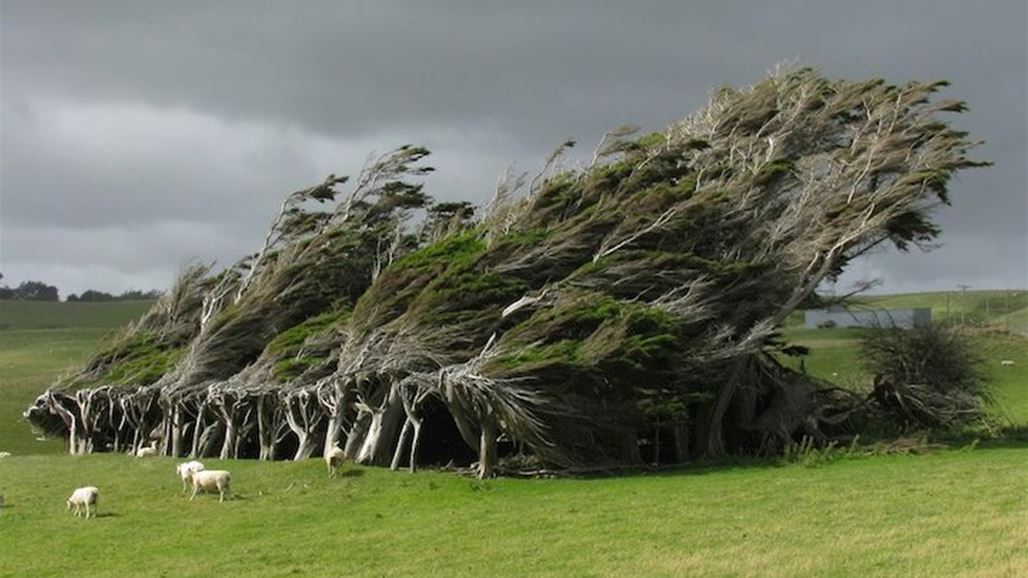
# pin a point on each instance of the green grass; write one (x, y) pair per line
(16, 315)
(39, 341)
(955, 513)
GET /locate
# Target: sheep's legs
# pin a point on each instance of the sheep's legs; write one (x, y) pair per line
(195, 488)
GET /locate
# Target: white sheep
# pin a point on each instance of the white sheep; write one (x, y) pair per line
(1007, 363)
(5, 455)
(84, 497)
(333, 459)
(208, 480)
(147, 452)
(186, 471)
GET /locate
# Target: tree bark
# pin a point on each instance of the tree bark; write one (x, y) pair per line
(358, 432)
(306, 447)
(398, 454)
(487, 451)
(415, 443)
(382, 433)
(710, 439)
(176, 431)
(230, 439)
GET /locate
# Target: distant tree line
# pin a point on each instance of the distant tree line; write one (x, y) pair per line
(29, 291)
(40, 291)
(91, 295)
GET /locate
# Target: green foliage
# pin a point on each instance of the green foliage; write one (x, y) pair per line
(598, 346)
(650, 140)
(138, 359)
(774, 171)
(457, 294)
(455, 250)
(934, 356)
(288, 342)
(403, 281)
(292, 367)
(302, 346)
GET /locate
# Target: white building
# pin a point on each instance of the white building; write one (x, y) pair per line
(839, 316)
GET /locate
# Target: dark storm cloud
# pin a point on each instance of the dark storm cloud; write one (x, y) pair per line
(136, 135)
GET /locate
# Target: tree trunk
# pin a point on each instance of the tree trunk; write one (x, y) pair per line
(267, 429)
(197, 433)
(398, 454)
(469, 433)
(681, 439)
(382, 433)
(335, 427)
(176, 431)
(306, 447)
(414, 446)
(656, 445)
(230, 440)
(487, 451)
(711, 439)
(208, 439)
(357, 434)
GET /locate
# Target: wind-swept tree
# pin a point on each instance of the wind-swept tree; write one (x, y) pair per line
(622, 312)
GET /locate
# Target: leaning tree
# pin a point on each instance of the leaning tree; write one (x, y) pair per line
(619, 312)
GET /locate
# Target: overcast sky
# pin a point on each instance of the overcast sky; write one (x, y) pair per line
(137, 136)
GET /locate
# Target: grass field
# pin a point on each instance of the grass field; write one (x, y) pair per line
(947, 514)
(956, 512)
(38, 342)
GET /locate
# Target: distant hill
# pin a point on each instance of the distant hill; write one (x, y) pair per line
(994, 307)
(22, 315)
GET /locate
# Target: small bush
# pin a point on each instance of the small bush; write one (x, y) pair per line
(925, 377)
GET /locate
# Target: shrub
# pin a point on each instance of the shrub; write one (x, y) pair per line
(926, 376)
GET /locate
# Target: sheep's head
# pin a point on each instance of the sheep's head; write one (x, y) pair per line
(68, 503)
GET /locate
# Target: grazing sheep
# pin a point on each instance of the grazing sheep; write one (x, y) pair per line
(333, 459)
(186, 471)
(208, 480)
(84, 497)
(1007, 363)
(5, 455)
(147, 452)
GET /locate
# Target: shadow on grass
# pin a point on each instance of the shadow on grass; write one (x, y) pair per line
(351, 473)
(1010, 437)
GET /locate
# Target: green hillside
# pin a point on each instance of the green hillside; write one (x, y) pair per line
(21, 315)
(39, 341)
(972, 307)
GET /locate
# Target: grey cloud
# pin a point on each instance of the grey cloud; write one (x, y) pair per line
(119, 116)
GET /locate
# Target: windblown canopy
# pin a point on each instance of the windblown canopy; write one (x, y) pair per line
(610, 305)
